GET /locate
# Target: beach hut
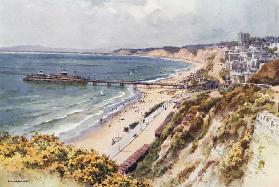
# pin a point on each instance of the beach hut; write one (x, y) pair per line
(131, 163)
(159, 130)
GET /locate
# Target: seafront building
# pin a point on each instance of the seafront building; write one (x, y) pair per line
(249, 55)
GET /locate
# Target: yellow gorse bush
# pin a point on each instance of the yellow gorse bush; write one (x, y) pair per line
(235, 158)
(47, 153)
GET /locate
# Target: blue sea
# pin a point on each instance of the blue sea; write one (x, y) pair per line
(68, 111)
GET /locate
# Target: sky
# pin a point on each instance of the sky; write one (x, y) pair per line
(101, 24)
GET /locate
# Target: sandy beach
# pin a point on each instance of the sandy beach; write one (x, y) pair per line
(101, 139)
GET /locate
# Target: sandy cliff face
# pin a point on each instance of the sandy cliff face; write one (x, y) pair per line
(211, 58)
(159, 53)
(268, 74)
(213, 63)
(210, 142)
(123, 52)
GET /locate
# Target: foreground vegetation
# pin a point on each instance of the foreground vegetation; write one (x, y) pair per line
(243, 105)
(45, 153)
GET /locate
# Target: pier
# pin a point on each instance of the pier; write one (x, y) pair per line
(65, 78)
(122, 83)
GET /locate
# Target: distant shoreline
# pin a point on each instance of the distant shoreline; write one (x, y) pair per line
(162, 58)
(102, 54)
(48, 52)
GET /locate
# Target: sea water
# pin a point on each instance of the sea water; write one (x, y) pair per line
(65, 110)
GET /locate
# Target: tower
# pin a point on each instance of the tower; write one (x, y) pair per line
(243, 39)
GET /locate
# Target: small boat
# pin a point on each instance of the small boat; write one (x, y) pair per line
(132, 71)
(102, 93)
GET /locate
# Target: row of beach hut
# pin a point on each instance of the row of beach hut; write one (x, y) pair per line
(159, 130)
(131, 163)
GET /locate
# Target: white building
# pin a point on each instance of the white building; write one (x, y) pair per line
(245, 59)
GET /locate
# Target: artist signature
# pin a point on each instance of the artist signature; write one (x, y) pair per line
(18, 181)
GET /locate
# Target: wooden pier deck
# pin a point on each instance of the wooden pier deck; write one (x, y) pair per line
(135, 83)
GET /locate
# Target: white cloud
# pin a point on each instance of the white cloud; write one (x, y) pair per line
(132, 23)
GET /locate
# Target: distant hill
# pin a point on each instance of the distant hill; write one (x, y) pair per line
(172, 49)
(209, 55)
(268, 74)
(39, 48)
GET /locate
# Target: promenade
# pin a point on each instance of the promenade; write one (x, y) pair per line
(125, 140)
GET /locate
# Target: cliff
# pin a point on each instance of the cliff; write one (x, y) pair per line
(210, 58)
(268, 74)
(209, 141)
